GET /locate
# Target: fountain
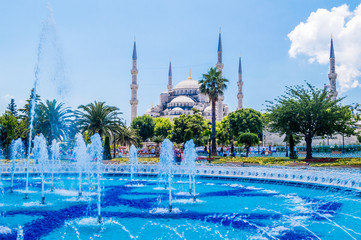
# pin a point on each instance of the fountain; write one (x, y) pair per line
(40, 152)
(166, 161)
(133, 161)
(55, 160)
(17, 152)
(190, 156)
(82, 158)
(96, 154)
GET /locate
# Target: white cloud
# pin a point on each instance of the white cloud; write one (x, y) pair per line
(7, 97)
(312, 38)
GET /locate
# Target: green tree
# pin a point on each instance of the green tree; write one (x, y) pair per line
(126, 136)
(54, 120)
(248, 140)
(162, 127)
(144, 126)
(243, 120)
(359, 138)
(223, 135)
(11, 128)
(213, 85)
(308, 112)
(99, 118)
(188, 135)
(12, 107)
(194, 123)
(25, 112)
(106, 152)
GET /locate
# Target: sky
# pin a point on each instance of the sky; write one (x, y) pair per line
(82, 52)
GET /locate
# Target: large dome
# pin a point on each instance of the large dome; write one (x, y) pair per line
(188, 84)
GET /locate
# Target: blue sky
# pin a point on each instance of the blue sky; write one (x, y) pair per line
(96, 39)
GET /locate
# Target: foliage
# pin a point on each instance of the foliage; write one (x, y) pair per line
(243, 120)
(99, 118)
(188, 135)
(126, 136)
(163, 127)
(144, 126)
(11, 128)
(248, 140)
(213, 85)
(194, 123)
(308, 112)
(223, 135)
(106, 152)
(359, 138)
(25, 112)
(12, 107)
(54, 120)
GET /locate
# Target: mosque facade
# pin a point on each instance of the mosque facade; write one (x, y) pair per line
(185, 97)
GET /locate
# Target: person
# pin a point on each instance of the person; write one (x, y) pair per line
(178, 157)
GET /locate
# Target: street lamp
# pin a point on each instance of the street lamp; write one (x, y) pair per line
(209, 141)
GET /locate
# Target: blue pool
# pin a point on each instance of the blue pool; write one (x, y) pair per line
(224, 209)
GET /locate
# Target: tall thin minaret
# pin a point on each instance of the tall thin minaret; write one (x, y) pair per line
(134, 85)
(170, 85)
(219, 65)
(332, 75)
(240, 86)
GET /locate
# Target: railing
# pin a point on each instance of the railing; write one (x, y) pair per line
(337, 178)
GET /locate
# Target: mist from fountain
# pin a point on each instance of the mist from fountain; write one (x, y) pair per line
(190, 156)
(17, 152)
(133, 161)
(96, 153)
(82, 158)
(40, 153)
(166, 161)
(47, 29)
(55, 160)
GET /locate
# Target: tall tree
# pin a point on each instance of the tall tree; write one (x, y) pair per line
(99, 118)
(12, 107)
(54, 120)
(144, 126)
(213, 85)
(308, 112)
(162, 127)
(248, 140)
(194, 123)
(243, 120)
(126, 136)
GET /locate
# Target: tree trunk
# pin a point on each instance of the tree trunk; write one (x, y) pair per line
(214, 147)
(247, 150)
(308, 140)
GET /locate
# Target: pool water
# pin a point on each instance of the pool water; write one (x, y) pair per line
(224, 209)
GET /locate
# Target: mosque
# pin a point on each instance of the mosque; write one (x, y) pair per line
(185, 97)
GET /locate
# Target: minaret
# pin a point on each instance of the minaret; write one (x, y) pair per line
(134, 85)
(240, 86)
(332, 75)
(170, 85)
(219, 65)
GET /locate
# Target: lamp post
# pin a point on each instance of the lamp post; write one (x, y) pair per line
(209, 141)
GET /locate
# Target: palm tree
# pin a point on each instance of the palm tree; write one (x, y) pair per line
(54, 120)
(126, 136)
(99, 118)
(213, 86)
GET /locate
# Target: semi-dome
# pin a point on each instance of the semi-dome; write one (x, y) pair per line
(177, 109)
(182, 99)
(208, 109)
